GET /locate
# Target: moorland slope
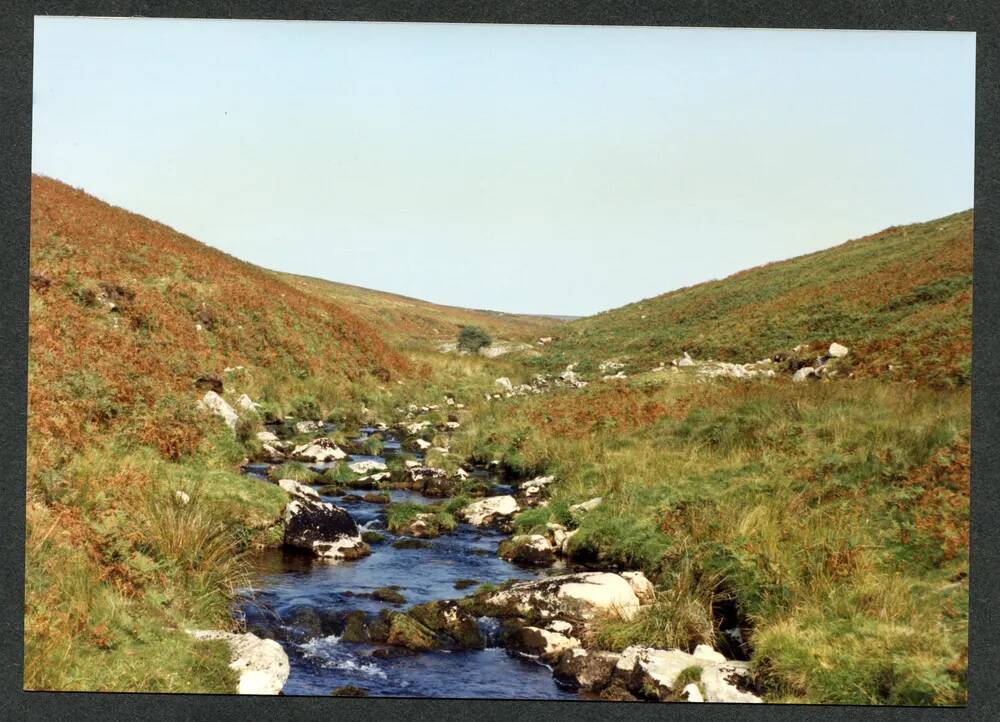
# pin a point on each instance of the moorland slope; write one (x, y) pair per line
(130, 323)
(412, 322)
(899, 298)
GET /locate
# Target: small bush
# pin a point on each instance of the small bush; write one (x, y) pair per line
(305, 408)
(247, 426)
(472, 338)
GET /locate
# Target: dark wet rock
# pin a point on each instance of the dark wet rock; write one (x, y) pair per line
(387, 594)
(307, 620)
(349, 690)
(429, 481)
(410, 544)
(392, 652)
(372, 537)
(377, 498)
(466, 583)
(330, 490)
(265, 623)
(268, 454)
(355, 628)
(440, 486)
(590, 671)
(323, 529)
(448, 619)
(405, 631)
(616, 692)
(351, 499)
(528, 550)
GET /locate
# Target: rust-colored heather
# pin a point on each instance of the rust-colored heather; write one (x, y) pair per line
(182, 310)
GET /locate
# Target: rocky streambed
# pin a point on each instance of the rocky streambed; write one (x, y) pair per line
(423, 611)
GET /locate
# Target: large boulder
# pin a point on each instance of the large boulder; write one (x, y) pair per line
(446, 618)
(405, 631)
(366, 467)
(262, 663)
(581, 596)
(485, 511)
(211, 401)
(319, 451)
(541, 643)
(588, 670)
(322, 528)
(656, 673)
(298, 490)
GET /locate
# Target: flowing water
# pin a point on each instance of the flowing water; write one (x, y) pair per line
(286, 583)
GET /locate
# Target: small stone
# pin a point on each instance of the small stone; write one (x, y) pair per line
(586, 506)
(836, 350)
(804, 373)
(349, 690)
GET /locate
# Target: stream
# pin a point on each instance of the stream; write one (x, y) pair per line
(290, 589)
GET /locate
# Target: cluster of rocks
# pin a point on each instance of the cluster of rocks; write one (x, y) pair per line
(800, 369)
(821, 367)
(549, 619)
(533, 549)
(544, 549)
(666, 675)
(539, 384)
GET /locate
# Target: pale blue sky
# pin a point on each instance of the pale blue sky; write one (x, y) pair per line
(540, 169)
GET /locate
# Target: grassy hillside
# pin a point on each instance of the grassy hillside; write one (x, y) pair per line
(900, 297)
(125, 316)
(415, 323)
(830, 519)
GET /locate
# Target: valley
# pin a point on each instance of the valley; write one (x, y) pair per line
(753, 489)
